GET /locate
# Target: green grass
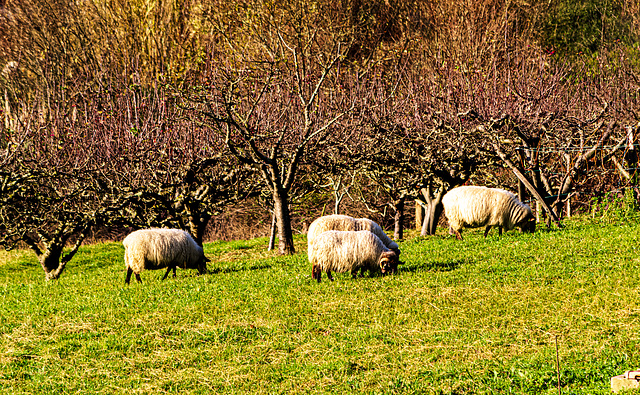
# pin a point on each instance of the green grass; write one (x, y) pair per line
(479, 316)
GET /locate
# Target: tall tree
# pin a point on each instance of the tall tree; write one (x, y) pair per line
(269, 105)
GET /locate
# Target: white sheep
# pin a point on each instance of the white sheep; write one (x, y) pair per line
(342, 251)
(345, 222)
(475, 207)
(153, 249)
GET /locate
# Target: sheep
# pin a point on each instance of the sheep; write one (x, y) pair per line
(475, 207)
(153, 249)
(343, 251)
(344, 222)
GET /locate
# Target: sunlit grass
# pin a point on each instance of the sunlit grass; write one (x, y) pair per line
(477, 316)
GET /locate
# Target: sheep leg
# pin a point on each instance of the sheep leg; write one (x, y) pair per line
(129, 271)
(329, 275)
(499, 230)
(316, 273)
(486, 230)
(458, 234)
(138, 278)
(167, 272)
(174, 272)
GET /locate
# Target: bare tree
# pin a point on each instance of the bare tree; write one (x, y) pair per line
(564, 124)
(122, 156)
(68, 216)
(173, 172)
(49, 195)
(420, 148)
(340, 186)
(269, 107)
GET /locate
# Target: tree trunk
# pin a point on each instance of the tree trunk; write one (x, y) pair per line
(433, 212)
(521, 187)
(539, 213)
(52, 258)
(272, 232)
(51, 263)
(432, 216)
(419, 215)
(521, 191)
(339, 197)
(398, 219)
(283, 218)
(197, 227)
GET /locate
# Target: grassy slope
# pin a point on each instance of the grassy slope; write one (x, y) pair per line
(478, 316)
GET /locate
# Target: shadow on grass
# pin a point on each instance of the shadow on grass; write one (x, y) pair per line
(21, 263)
(219, 270)
(543, 228)
(434, 266)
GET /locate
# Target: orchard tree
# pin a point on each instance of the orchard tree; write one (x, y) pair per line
(270, 104)
(418, 150)
(170, 171)
(50, 195)
(108, 158)
(390, 173)
(47, 209)
(553, 124)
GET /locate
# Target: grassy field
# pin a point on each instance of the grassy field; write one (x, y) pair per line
(479, 316)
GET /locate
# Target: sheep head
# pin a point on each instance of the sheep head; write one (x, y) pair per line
(201, 264)
(388, 262)
(528, 225)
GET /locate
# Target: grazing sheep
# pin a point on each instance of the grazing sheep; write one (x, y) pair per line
(475, 207)
(344, 222)
(153, 249)
(343, 251)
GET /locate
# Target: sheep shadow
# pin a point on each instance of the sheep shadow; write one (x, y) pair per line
(222, 270)
(447, 266)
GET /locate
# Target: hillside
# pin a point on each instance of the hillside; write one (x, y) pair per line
(477, 316)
